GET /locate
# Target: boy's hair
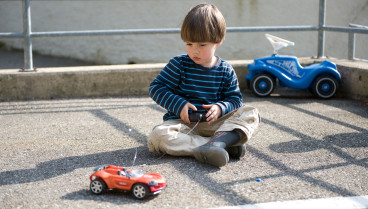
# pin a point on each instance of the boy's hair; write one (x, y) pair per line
(204, 23)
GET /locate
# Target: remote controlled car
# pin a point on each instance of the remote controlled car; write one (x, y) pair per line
(113, 177)
(321, 78)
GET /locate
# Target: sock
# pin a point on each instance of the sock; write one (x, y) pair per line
(227, 138)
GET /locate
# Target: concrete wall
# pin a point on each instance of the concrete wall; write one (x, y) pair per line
(134, 80)
(132, 14)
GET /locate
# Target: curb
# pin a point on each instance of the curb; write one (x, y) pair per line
(134, 80)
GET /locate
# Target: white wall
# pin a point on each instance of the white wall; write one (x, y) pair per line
(132, 14)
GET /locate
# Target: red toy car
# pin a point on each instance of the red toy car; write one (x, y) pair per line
(114, 177)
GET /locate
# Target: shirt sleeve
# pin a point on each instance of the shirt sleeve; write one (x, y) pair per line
(231, 95)
(162, 89)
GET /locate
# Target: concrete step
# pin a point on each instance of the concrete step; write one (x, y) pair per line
(134, 80)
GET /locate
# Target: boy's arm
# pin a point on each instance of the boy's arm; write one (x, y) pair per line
(231, 94)
(162, 89)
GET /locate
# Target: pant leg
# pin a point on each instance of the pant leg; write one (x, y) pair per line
(171, 137)
(245, 119)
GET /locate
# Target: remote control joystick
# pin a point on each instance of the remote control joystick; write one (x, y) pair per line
(195, 116)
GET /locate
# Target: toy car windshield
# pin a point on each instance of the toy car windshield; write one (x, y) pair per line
(278, 43)
(134, 173)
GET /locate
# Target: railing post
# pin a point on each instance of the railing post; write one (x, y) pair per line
(321, 25)
(351, 46)
(351, 43)
(27, 41)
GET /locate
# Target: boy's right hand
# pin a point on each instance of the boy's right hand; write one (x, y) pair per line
(184, 112)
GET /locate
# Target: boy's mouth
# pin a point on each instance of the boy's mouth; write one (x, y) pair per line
(196, 58)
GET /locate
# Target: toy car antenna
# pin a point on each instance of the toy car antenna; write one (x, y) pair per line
(135, 156)
(278, 43)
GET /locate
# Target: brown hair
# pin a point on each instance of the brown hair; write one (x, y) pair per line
(204, 23)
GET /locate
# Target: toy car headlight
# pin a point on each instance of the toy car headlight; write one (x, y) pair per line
(152, 183)
(93, 178)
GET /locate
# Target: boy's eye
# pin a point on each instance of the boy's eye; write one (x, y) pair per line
(189, 44)
(202, 44)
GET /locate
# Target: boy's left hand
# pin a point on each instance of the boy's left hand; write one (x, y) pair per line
(213, 113)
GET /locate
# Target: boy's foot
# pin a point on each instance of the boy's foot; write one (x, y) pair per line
(236, 151)
(211, 154)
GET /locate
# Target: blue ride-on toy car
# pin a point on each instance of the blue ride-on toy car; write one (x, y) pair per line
(321, 78)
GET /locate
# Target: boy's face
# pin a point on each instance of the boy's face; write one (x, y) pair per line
(202, 53)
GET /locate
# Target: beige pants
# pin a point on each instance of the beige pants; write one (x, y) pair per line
(172, 136)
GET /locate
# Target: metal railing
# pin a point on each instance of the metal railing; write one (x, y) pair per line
(27, 34)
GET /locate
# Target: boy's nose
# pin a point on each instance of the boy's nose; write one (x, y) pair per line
(196, 49)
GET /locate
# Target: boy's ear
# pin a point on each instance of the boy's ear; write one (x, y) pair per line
(219, 44)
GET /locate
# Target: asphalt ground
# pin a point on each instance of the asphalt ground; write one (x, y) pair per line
(305, 148)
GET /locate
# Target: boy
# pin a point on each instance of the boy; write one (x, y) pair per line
(200, 80)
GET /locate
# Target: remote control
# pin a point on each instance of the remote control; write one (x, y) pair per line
(195, 116)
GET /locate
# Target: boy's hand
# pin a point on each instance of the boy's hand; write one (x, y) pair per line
(184, 112)
(213, 113)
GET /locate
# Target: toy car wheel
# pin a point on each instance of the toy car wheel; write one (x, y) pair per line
(97, 186)
(325, 86)
(140, 191)
(263, 84)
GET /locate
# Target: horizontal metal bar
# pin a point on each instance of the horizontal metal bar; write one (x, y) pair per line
(105, 32)
(177, 30)
(346, 29)
(353, 28)
(154, 31)
(11, 35)
(272, 28)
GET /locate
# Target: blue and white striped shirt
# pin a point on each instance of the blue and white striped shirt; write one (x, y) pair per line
(182, 81)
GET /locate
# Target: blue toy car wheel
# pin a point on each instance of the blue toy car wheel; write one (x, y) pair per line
(263, 84)
(325, 86)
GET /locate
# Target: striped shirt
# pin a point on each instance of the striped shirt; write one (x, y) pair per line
(182, 81)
